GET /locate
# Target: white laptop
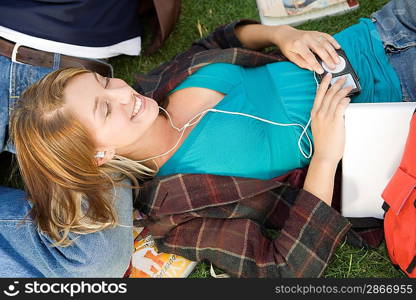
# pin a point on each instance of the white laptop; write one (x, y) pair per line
(376, 135)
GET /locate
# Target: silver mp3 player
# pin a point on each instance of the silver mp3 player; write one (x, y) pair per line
(342, 69)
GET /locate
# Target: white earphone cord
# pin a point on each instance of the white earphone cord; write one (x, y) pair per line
(188, 124)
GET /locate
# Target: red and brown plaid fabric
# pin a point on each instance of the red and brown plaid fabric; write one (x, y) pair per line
(222, 218)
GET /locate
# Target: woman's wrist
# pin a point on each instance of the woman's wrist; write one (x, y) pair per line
(325, 161)
(278, 34)
(320, 178)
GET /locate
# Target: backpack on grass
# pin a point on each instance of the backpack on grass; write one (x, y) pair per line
(400, 207)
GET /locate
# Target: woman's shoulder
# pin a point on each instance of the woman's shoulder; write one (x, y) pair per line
(184, 104)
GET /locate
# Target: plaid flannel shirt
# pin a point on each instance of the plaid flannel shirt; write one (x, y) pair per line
(223, 219)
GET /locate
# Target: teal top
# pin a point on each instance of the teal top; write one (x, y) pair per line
(235, 145)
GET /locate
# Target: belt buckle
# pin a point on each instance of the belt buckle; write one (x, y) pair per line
(14, 53)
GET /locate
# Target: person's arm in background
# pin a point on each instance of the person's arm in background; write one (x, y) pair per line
(228, 43)
(297, 45)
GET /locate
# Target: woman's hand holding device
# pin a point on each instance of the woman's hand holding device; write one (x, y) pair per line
(328, 132)
(327, 116)
(299, 47)
(312, 50)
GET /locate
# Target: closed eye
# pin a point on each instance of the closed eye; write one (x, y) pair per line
(108, 109)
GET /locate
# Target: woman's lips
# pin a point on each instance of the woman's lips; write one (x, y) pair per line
(142, 107)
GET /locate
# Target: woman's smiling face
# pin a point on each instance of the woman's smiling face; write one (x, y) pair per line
(114, 113)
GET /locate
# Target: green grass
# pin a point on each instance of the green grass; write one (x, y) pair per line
(351, 262)
(198, 17)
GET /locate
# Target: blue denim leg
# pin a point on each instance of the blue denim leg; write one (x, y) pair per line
(4, 98)
(396, 24)
(25, 252)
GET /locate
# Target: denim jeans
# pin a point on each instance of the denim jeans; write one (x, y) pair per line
(26, 252)
(396, 24)
(14, 79)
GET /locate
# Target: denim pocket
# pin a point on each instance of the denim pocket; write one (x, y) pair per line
(396, 23)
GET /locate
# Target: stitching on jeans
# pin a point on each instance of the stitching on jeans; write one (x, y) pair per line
(12, 82)
(56, 61)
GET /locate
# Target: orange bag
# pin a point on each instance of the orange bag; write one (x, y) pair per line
(400, 206)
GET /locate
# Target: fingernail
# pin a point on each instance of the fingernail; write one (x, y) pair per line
(328, 75)
(320, 70)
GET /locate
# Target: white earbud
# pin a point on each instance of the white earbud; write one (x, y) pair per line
(100, 154)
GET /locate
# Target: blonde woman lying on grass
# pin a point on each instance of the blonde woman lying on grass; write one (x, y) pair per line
(205, 115)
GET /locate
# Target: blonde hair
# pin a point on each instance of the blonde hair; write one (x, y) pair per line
(55, 153)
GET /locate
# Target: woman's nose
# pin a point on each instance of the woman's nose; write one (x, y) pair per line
(122, 95)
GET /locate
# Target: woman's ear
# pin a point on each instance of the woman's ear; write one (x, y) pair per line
(104, 156)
